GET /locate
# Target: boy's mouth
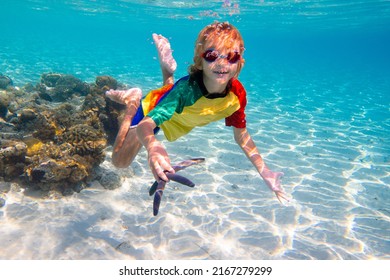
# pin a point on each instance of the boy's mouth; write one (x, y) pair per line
(221, 72)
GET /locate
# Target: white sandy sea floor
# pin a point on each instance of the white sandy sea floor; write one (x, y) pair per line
(201, 223)
(333, 147)
(230, 214)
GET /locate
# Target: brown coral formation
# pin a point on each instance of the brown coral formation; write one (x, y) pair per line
(12, 158)
(51, 144)
(60, 87)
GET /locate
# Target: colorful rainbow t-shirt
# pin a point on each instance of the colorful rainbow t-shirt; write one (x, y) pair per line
(180, 107)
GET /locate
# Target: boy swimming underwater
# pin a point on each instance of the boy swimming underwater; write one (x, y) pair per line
(209, 93)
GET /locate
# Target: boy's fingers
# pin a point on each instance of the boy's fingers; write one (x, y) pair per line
(159, 171)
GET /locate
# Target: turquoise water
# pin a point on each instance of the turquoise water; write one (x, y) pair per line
(317, 77)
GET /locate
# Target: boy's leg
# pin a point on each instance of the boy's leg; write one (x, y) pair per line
(167, 62)
(125, 155)
(126, 145)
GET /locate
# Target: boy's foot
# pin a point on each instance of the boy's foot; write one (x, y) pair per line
(167, 62)
(125, 97)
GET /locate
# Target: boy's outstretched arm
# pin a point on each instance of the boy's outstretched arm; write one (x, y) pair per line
(157, 155)
(272, 179)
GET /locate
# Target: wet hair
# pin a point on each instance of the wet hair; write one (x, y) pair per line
(218, 34)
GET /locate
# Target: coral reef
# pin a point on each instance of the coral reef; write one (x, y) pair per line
(60, 87)
(54, 134)
(12, 158)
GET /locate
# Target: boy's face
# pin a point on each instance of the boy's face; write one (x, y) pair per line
(219, 64)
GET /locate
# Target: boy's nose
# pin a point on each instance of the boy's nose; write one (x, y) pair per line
(222, 60)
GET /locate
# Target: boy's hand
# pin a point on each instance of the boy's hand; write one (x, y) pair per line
(272, 179)
(159, 162)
